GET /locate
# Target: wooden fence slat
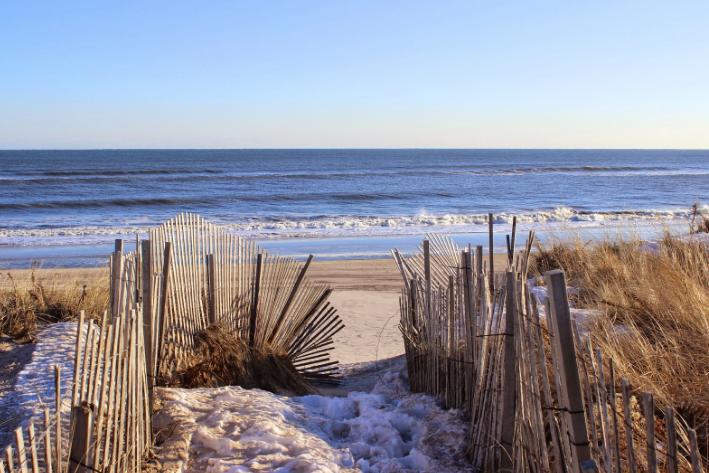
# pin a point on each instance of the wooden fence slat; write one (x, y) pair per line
(47, 440)
(695, 457)
(628, 422)
(58, 449)
(671, 440)
(9, 458)
(31, 437)
(649, 412)
(21, 451)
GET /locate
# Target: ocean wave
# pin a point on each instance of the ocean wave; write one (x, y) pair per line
(359, 225)
(216, 175)
(212, 199)
(127, 172)
(102, 203)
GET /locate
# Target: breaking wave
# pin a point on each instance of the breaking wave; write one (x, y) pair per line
(333, 226)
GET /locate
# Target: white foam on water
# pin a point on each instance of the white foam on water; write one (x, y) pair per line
(339, 226)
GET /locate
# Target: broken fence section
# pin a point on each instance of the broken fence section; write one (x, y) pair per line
(192, 274)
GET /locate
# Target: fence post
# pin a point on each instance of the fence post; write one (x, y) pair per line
(490, 249)
(427, 274)
(162, 312)
(509, 382)
(146, 305)
(117, 261)
(80, 454)
(211, 290)
(564, 345)
(254, 301)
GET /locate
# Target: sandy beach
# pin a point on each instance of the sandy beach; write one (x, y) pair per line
(365, 292)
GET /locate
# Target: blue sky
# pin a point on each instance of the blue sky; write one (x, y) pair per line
(354, 74)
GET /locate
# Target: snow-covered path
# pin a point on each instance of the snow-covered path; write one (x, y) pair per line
(34, 386)
(229, 430)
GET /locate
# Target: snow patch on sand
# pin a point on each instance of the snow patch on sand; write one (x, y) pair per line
(230, 429)
(35, 385)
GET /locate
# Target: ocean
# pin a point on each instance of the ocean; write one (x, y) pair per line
(64, 208)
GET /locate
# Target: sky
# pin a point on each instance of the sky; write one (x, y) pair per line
(280, 74)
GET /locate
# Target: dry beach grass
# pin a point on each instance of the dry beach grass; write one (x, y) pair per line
(653, 306)
(27, 303)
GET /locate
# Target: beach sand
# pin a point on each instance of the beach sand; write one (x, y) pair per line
(365, 293)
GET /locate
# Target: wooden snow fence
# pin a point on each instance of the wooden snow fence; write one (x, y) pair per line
(188, 275)
(193, 274)
(108, 426)
(538, 396)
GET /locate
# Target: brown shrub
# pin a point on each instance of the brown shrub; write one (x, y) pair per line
(225, 360)
(22, 309)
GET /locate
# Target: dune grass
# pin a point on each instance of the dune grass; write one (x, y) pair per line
(223, 359)
(25, 307)
(653, 301)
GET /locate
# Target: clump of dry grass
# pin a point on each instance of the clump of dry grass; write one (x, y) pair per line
(225, 360)
(23, 309)
(654, 306)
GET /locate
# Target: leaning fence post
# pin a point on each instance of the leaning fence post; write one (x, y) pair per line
(80, 453)
(254, 301)
(564, 345)
(694, 451)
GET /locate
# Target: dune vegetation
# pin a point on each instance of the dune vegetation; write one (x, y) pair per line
(652, 302)
(25, 306)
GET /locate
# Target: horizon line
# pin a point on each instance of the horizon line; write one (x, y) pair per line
(363, 148)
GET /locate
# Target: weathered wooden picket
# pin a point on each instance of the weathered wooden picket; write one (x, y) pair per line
(539, 398)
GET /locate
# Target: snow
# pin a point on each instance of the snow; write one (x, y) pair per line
(34, 388)
(583, 317)
(35, 385)
(387, 429)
